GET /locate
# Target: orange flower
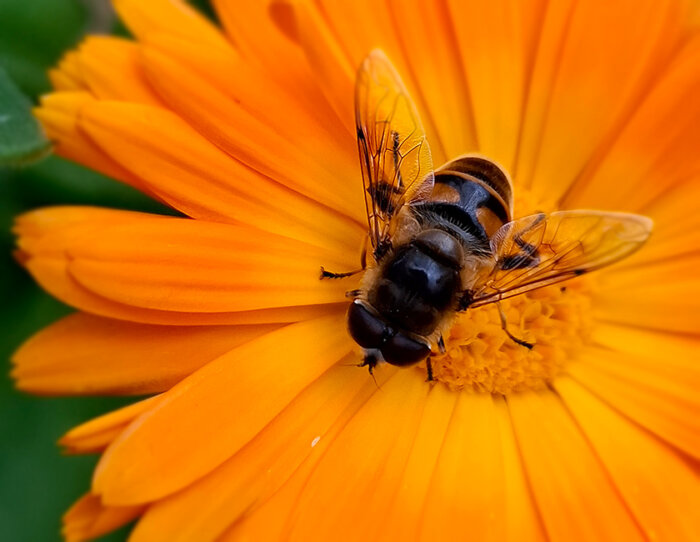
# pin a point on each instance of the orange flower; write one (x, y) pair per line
(257, 428)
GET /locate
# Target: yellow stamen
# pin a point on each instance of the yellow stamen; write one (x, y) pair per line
(480, 357)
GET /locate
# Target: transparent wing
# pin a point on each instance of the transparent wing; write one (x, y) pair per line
(394, 155)
(541, 249)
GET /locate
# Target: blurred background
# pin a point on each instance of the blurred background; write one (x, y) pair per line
(37, 482)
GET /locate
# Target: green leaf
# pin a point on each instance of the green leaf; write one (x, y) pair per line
(33, 35)
(22, 140)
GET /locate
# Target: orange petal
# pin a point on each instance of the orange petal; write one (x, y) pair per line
(426, 30)
(523, 520)
(658, 485)
(656, 150)
(377, 442)
(495, 44)
(255, 35)
(84, 354)
(655, 349)
(282, 104)
(58, 115)
(570, 111)
(676, 223)
(213, 413)
(469, 449)
(52, 275)
(206, 508)
(46, 234)
(195, 266)
(664, 295)
(112, 70)
(192, 175)
(356, 34)
(98, 433)
(260, 31)
(50, 231)
(333, 70)
(478, 480)
(652, 397)
(171, 17)
(573, 493)
(405, 512)
(88, 518)
(268, 520)
(245, 113)
(68, 74)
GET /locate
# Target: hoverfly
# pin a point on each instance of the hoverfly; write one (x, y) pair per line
(445, 241)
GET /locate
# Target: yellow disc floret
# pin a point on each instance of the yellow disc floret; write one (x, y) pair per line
(480, 357)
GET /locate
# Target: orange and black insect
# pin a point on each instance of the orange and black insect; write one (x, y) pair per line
(445, 241)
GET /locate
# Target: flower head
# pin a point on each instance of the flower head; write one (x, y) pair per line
(259, 426)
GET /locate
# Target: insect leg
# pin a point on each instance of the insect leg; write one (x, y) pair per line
(363, 265)
(330, 275)
(504, 326)
(441, 344)
(429, 367)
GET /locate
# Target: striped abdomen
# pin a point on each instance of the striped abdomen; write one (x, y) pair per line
(472, 198)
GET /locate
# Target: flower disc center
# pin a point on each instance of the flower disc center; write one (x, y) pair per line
(480, 357)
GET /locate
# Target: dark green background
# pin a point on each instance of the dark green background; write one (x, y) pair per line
(37, 483)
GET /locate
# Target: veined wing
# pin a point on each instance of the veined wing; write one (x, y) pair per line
(542, 249)
(395, 158)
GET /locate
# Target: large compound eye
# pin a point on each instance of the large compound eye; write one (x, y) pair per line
(365, 327)
(402, 350)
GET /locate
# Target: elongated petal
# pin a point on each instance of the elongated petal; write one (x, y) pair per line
(269, 520)
(570, 111)
(652, 397)
(192, 175)
(523, 519)
(334, 71)
(96, 434)
(471, 437)
(171, 17)
(664, 295)
(676, 224)
(496, 45)
(256, 36)
(263, 465)
(479, 451)
(194, 266)
(200, 422)
(666, 352)
(88, 518)
(379, 439)
(248, 115)
(47, 235)
(67, 75)
(84, 354)
(658, 485)
(656, 148)
(112, 70)
(265, 33)
(426, 31)
(58, 114)
(405, 506)
(568, 482)
(356, 35)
